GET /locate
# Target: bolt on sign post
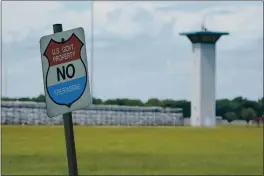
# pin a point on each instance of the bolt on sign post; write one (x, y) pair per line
(66, 83)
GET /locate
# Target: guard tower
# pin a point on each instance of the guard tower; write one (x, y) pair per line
(203, 76)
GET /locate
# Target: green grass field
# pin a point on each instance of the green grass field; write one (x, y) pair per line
(134, 150)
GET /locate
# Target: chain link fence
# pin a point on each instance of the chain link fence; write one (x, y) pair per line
(33, 113)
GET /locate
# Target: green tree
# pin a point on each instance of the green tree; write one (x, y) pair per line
(153, 102)
(222, 107)
(185, 106)
(126, 102)
(230, 116)
(40, 98)
(8, 99)
(97, 101)
(110, 102)
(254, 105)
(247, 114)
(134, 102)
(240, 100)
(24, 99)
(168, 103)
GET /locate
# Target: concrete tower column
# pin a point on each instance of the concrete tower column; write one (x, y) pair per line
(203, 78)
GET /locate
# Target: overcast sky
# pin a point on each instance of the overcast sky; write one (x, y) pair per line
(138, 52)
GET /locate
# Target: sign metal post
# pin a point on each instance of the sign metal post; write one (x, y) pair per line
(68, 130)
(66, 80)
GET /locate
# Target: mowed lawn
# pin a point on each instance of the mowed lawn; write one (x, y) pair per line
(40, 150)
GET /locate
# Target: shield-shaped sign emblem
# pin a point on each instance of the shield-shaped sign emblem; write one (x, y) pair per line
(66, 77)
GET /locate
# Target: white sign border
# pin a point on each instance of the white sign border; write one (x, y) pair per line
(54, 109)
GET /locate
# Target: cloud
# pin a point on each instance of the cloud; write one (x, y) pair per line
(138, 52)
(128, 19)
(38, 17)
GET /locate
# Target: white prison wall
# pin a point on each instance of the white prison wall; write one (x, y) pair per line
(32, 113)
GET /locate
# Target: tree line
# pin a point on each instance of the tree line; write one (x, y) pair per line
(238, 108)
